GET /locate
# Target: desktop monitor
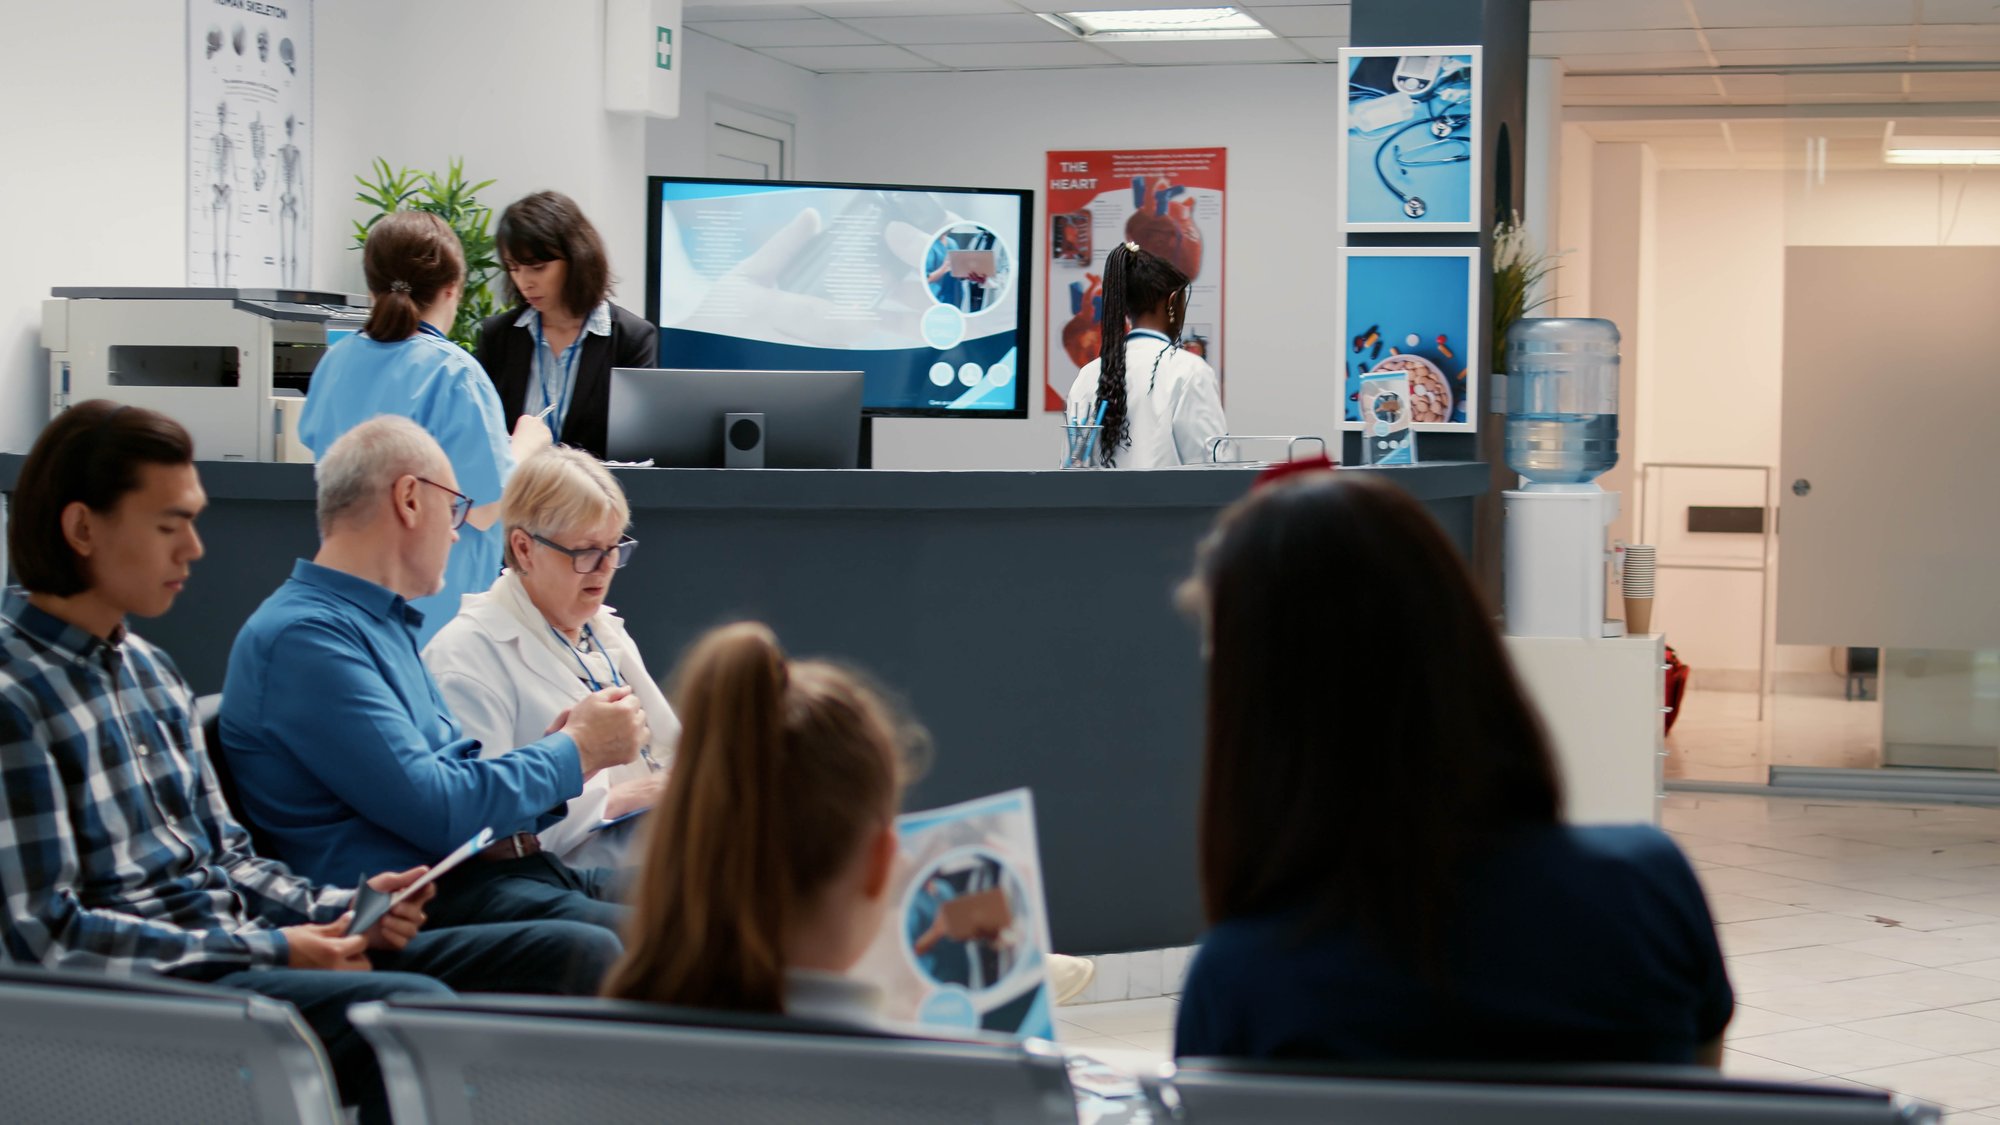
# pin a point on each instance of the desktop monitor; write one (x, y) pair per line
(923, 289)
(812, 419)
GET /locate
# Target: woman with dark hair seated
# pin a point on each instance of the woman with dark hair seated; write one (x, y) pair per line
(1383, 862)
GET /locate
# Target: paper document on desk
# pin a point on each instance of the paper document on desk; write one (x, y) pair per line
(965, 946)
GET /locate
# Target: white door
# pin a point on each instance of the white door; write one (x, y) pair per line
(747, 145)
(1888, 526)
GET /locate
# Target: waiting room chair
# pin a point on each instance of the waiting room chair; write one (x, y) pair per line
(208, 712)
(78, 1047)
(493, 1060)
(1232, 1092)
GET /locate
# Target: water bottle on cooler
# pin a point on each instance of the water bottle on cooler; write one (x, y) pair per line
(1562, 399)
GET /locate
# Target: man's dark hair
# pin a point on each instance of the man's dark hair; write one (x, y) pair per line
(91, 454)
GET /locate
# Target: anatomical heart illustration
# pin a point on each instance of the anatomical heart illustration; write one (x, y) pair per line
(1162, 223)
(1170, 202)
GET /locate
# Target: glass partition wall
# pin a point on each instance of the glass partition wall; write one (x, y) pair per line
(1818, 427)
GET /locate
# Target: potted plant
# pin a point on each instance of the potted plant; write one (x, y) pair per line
(452, 199)
(1518, 271)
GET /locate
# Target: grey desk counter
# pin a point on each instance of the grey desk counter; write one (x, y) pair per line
(1025, 617)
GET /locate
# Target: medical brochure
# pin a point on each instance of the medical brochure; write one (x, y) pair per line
(966, 943)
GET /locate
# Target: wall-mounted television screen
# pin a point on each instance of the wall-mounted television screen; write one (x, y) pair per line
(923, 289)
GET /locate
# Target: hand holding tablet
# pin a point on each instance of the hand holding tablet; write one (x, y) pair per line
(371, 905)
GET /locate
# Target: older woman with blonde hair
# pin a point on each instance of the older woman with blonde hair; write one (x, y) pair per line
(518, 656)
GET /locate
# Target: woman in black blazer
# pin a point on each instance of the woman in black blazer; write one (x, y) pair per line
(553, 351)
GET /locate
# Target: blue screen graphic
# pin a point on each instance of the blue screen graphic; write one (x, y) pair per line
(921, 289)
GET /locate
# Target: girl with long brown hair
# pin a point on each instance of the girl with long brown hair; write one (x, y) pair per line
(767, 866)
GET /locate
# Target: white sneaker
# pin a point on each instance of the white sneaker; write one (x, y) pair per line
(1069, 976)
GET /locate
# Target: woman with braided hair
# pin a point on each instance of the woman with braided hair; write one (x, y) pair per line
(1161, 403)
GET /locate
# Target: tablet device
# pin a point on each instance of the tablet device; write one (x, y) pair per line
(370, 905)
(970, 263)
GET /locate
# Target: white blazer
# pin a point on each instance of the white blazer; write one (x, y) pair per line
(1174, 410)
(506, 677)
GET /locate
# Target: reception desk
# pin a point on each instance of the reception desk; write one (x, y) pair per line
(1025, 617)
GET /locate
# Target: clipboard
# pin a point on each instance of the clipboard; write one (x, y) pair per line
(617, 820)
(371, 905)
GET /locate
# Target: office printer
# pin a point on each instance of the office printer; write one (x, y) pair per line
(232, 365)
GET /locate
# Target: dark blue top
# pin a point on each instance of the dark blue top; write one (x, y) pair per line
(345, 753)
(1568, 945)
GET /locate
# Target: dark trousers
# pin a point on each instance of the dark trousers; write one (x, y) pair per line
(564, 958)
(525, 889)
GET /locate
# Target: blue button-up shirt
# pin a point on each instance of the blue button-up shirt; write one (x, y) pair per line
(554, 376)
(342, 748)
(434, 383)
(117, 853)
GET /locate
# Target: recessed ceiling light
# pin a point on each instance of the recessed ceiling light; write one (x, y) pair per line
(1160, 23)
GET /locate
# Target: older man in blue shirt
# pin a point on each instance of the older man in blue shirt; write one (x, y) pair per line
(344, 751)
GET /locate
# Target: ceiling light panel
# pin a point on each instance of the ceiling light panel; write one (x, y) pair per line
(1161, 24)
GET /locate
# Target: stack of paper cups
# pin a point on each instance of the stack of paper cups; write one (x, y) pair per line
(1640, 563)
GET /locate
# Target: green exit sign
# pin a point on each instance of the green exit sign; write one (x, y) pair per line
(663, 49)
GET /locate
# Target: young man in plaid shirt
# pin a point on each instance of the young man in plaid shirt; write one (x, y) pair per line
(117, 853)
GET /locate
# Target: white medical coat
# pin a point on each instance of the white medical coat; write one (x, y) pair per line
(1173, 412)
(506, 680)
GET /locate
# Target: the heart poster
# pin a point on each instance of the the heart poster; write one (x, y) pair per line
(1169, 202)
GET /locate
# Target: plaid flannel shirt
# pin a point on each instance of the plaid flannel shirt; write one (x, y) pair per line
(117, 853)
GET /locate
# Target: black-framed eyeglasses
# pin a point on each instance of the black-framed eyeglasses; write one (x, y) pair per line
(461, 504)
(588, 559)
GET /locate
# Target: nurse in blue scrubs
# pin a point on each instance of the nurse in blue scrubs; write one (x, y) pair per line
(401, 363)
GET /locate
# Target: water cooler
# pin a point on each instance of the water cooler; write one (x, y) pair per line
(1562, 434)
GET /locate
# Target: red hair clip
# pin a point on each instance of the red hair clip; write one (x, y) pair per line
(1284, 469)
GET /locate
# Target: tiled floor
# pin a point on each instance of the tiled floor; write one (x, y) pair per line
(1863, 941)
(1718, 737)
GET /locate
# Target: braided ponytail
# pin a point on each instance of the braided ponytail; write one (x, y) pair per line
(1135, 282)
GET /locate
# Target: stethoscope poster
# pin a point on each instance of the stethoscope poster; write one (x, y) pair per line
(1410, 122)
(1169, 202)
(1412, 311)
(965, 945)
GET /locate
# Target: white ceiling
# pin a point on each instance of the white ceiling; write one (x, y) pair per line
(1615, 47)
(1686, 77)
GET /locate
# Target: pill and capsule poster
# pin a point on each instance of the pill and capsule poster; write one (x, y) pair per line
(1168, 201)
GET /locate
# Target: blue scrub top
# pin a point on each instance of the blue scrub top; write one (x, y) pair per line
(436, 384)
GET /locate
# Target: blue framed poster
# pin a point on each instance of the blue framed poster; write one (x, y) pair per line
(1413, 310)
(1410, 123)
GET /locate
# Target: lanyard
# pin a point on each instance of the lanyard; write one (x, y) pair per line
(566, 371)
(1171, 346)
(590, 642)
(590, 639)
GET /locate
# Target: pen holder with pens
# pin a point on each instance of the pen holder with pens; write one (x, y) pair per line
(1080, 448)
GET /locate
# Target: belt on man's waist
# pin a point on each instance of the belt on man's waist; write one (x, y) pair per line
(518, 845)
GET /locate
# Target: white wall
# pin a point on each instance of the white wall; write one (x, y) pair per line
(1571, 281)
(1712, 396)
(516, 92)
(94, 191)
(1621, 282)
(993, 129)
(717, 72)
